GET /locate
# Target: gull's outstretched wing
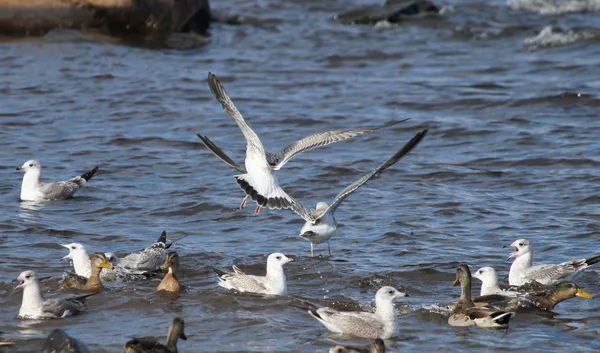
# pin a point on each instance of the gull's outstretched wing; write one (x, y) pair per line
(219, 153)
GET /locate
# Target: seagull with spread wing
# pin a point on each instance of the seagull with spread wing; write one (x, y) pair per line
(320, 224)
(257, 180)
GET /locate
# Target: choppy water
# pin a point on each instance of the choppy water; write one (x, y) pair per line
(512, 152)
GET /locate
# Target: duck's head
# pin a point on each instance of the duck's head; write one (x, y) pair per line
(75, 250)
(26, 278)
(99, 260)
(388, 293)
(521, 246)
(31, 165)
(177, 329)
(172, 261)
(568, 290)
(463, 275)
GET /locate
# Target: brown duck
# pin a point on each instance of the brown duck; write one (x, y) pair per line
(170, 283)
(92, 284)
(545, 298)
(150, 345)
(376, 347)
(465, 313)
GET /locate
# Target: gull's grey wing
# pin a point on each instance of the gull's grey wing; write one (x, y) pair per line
(63, 307)
(246, 283)
(149, 259)
(360, 324)
(277, 160)
(299, 209)
(352, 187)
(219, 153)
(254, 144)
(60, 189)
(547, 274)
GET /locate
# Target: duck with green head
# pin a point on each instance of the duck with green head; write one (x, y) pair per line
(544, 297)
(465, 312)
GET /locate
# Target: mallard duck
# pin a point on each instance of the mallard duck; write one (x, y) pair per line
(466, 314)
(377, 347)
(381, 324)
(274, 283)
(35, 307)
(92, 284)
(522, 271)
(170, 283)
(59, 342)
(150, 345)
(544, 299)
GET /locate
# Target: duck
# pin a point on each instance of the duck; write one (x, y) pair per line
(376, 347)
(92, 284)
(150, 345)
(274, 283)
(544, 299)
(170, 282)
(381, 324)
(465, 313)
(58, 341)
(35, 307)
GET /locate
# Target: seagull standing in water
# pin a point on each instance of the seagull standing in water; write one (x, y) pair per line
(321, 224)
(33, 189)
(257, 180)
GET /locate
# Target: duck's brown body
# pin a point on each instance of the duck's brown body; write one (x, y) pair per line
(170, 282)
(92, 284)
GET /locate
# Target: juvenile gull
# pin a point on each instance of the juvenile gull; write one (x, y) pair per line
(321, 224)
(376, 347)
(34, 306)
(274, 283)
(150, 345)
(465, 313)
(33, 189)
(148, 260)
(381, 324)
(257, 180)
(522, 271)
(489, 282)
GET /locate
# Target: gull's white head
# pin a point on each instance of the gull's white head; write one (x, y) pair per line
(26, 278)
(388, 293)
(112, 258)
(321, 206)
(278, 259)
(486, 275)
(75, 250)
(522, 247)
(31, 165)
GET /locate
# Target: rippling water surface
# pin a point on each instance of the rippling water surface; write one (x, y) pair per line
(512, 152)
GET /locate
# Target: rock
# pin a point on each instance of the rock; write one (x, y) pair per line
(393, 11)
(59, 342)
(119, 17)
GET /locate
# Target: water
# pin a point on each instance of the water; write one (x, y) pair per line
(512, 152)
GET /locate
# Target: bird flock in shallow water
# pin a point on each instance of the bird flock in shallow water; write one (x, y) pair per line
(539, 287)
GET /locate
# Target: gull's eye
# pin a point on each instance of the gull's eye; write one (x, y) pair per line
(278, 257)
(72, 247)
(520, 244)
(28, 276)
(31, 164)
(391, 292)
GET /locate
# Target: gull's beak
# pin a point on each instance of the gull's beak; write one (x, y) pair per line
(401, 295)
(456, 282)
(580, 293)
(291, 258)
(19, 168)
(512, 254)
(20, 285)
(107, 265)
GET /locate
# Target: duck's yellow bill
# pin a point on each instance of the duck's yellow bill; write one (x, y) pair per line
(580, 293)
(107, 265)
(456, 282)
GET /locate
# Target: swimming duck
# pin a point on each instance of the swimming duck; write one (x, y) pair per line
(92, 284)
(377, 347)
(58, 341)
(170, 283)
(35, 307)
(544, 299)
(150, 345)
(466, 314)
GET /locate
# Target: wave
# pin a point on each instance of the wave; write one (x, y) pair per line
(554, 7)
(551, 37)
